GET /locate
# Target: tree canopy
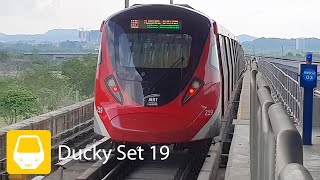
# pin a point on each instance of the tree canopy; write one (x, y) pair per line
(43, 85)
(17, 102)
(81, 74)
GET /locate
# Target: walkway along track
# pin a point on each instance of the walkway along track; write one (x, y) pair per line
(217, 158)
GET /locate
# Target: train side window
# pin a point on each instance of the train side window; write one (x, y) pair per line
(100, 55)
(214, 54)
(223, 54)
(228, 58)
(230, 65)
(231, 51)
(214, 57)
(228, 51)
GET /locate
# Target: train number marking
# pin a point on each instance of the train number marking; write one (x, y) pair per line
(208, 112)
(99, 109)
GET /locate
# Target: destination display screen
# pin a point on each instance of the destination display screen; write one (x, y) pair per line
(155, 24)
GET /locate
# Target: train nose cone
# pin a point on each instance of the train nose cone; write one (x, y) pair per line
(150, 128)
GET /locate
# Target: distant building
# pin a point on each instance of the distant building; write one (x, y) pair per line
(93, 36)
(300, 44)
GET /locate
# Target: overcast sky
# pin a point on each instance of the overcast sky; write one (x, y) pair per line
(260, 18)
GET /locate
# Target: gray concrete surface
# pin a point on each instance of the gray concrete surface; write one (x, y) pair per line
(211, 163)
(311, 154)
(71, 173)
(238, 167)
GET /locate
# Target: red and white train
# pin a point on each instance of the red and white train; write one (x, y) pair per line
(165, 75)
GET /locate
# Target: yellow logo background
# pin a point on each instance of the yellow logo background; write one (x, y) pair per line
(28, 145)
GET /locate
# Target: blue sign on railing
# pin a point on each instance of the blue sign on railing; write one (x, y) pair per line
(308, 75)
(308, 80)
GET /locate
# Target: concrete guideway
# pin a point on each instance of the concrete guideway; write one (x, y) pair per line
(238, 167)
(213, 167)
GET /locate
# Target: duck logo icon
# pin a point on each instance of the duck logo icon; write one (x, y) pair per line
(28, 152)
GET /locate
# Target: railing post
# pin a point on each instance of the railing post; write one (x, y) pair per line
(295, 171)
(289, 143)
(266, 142)
(126, 3)
(60, 169)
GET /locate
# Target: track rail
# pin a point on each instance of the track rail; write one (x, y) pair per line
(180, 165)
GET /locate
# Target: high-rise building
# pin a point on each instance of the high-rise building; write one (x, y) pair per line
(300, 44)
(89, 36)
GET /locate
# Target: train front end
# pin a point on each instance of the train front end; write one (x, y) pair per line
(155, 80)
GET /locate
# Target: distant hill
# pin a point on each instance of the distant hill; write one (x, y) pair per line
(61, 35)
(277, 45)
(52, 36)
(243, 38)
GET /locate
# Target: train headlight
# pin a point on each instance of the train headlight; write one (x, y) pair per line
(195, 84)
(193, 88)
(114, 88)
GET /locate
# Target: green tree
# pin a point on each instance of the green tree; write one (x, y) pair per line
(50, 89)
(4, 56)
(47, 98)
(17, 102)
(80, 74)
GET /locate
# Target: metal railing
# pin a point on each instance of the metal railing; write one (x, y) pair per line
(276, 150)
(284, 87)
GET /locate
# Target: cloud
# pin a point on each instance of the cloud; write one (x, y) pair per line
(268, 18)
(47, 7)
(16, 7)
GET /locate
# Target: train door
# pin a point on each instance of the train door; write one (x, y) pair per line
(225, 71)
(229, 64)
(221, 70)
(215, 65)
(236, 59)
(232, 63)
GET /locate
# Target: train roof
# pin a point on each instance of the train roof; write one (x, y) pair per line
(221, 29)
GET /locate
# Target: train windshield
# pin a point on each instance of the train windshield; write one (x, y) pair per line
(148, 51)
(155, 50)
